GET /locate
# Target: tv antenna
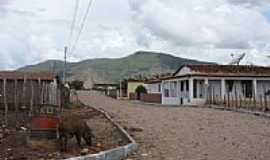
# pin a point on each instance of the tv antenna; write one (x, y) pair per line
(238, 59)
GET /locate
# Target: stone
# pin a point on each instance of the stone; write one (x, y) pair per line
(50, 155)
(84, 151)
(144, 154)
(98, 145)
(23, 128)
(1, 135)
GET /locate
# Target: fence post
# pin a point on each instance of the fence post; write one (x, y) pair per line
(39, 91)
(32, 98)
(265, 103)
(15, 97)
(5, 101)
(261, 102)
(240, 101)
(236, 100)
(42, 94)
(24, 90)
(254, 103)
(229, 105)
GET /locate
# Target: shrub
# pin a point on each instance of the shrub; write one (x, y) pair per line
(141, 89)
(77, 85)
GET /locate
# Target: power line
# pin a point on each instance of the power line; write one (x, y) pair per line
(82, 26)
(73, 22)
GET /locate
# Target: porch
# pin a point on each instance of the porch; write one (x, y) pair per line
(199, 90)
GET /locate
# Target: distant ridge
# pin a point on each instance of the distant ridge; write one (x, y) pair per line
(105, 70)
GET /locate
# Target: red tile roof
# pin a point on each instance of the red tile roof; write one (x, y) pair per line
(227, 70)
(153, 81)
(30, 76)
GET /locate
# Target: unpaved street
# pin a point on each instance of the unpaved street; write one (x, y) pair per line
(188, 133)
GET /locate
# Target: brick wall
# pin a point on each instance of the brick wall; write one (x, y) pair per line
(132, 96)
(151, 98)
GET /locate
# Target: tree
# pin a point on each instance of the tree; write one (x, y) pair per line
(77, 85)
(141, 89)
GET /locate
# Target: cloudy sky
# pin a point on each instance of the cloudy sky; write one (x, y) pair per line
(35, 30)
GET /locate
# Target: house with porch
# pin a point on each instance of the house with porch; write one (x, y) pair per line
(193, 84)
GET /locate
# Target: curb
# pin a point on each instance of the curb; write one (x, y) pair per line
(112, 154)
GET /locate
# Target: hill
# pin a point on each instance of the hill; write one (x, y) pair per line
(105, 70)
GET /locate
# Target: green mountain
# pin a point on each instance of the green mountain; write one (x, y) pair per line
(104, 70)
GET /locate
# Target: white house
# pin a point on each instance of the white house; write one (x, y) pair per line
(192, 84)
(153, 86)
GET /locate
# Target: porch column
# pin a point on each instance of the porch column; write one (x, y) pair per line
(223, 88)
(255, 88)
(190, 89)
(206, 84)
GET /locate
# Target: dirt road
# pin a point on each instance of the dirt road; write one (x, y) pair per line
(188, 133)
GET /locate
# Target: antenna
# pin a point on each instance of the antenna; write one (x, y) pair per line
(237, 60)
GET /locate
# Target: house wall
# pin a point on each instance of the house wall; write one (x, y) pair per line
(214, 88)
(183, 71)
(153, 88)
(262, 87)
(236, 90)
(151, 97)
(132, 87)
(171, 97)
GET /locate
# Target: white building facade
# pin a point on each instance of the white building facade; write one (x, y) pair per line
(153, 87)
(194, 84)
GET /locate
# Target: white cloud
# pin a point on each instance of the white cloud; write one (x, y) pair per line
(34, 30)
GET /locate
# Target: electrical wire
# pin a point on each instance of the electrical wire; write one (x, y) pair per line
(73, 22)
(82, 26)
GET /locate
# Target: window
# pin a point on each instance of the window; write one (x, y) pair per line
(173, 89)
(247, 88)
(195, 88)
(166, 92)
(230, 85)
(187, 85)
(159, 88)
(182, 86)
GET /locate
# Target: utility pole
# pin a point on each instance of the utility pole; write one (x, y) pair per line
(120, 91)
(65, 64)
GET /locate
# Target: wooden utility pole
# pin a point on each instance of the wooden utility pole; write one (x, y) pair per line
(65, 64)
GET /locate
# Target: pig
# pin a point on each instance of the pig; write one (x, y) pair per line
(73, 125)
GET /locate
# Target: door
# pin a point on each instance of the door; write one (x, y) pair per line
(182, 92)
(247, 88)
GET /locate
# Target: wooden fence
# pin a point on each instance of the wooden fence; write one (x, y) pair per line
(237, 100)
(29, 95)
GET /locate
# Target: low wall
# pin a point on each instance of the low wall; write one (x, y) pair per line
(132, 96)
(151, 98)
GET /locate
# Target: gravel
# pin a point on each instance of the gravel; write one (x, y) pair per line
(183, 133)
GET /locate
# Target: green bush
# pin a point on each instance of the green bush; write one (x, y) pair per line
(77, 85)
(141, 89)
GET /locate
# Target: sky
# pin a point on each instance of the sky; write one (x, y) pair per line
(32, 31)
